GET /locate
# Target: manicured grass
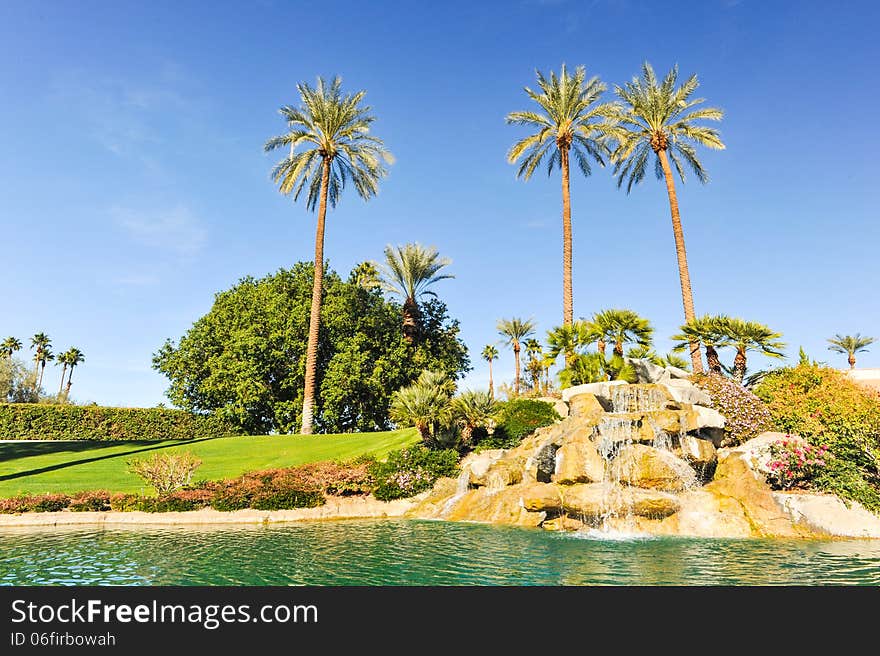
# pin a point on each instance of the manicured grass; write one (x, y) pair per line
(37, 467)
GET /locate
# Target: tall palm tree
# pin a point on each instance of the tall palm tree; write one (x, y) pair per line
(490, 353)
(64, 360)
(408, 272)
(850, 344)
(535, 365)
(74, 357)
(660, 118)
(46, 355)
(570, 121)
(39, 343)
(708, 331)
(9, 346)
(514, 331)
(750, 336)
(622, 327)
(329, 145)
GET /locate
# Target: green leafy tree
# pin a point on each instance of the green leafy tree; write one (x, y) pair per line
(489, 354)
(570, 121)
(9, 346)
(747, 336)
(660, 118)
(515, 331)
(408, 272)
(710, 331)
(246, 357)
(329, 145)
(850, 345)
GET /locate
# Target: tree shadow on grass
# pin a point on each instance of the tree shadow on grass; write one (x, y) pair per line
(28, 450)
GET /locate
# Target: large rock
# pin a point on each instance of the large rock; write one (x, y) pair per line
(585, 406)
(483, 505)
(684, 391)
(647, 467)
(477, 465)
(562, 523)
(602, 391)
(700, 454)
(538, 497)
(648, 372)
(709, 418)
(641, 398)
(541, 465)
(826, 513)
(756, 451)
(502, 473)
(578, 461)
(593, 501)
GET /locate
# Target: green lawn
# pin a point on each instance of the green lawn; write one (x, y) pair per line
(36, 467)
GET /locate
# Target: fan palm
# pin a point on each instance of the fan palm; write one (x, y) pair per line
(329, 145)
(583, 368)
(425, 404)
(74, 358)
(408, 271)
(750, 336)
(473, 409)
(63, 360)
(514, 331)
(850, 344)
(570, 121)
(622, 327)
(490, 353)
(9, 346)
(708, 331)
(567, 340)
(661, 118)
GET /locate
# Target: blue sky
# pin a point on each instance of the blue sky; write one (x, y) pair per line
(133, 185)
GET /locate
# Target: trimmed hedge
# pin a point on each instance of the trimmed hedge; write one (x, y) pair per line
(40, 421)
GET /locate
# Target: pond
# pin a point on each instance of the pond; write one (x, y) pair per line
(414, 552)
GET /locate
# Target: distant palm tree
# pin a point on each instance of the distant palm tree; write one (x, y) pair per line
(9, 346)
(333, 129)
(750, 336)
(622, 327)
(569, 121)
(74, 357)
(408, 272)
(710, 331)
(46, 355)
(850, 344)
(660, 118)
(566, 340)
(535, 365)
(514, 331)
(39, 342)
(490, 353)
(63, 359)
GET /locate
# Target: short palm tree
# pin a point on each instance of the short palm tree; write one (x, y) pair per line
(622, 327)
(9, 346)
(515, 331)
(425, 404)
(74, 358)
(329, 144)
(408, 272)
(39, 343)
(710, 331)
(472, 410)
(584, 368)
(489, 354)
(570, 121)
(850, 344)
(661, 118)
(567, 340)
(750, 336)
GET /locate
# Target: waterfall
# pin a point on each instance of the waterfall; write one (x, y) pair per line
(636, 398)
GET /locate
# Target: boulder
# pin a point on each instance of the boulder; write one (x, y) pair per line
(541, 464)
(596, 500)
(483, 505)
(585, 406)
(578, 461)
(826, 513)
(646, 467)
(647, 371)
(708, 418)
(562, 523)
(641, 398)
(602, 391)
(502, 473)
(478, 464)
(540, 497)
(559, 405)
(700, 454)
(684, 391)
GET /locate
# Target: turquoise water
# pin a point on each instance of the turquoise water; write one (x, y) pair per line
(408, 552)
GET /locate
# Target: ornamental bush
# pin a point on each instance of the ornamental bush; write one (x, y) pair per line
(746, 416)
(794, 463)
(517, 418)
(166, 472)
(410, 471)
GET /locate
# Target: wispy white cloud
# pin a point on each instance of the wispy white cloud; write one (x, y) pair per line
(176, 230)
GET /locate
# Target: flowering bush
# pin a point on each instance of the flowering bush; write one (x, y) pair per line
(410, 471)
(746, 416)
(794, 463)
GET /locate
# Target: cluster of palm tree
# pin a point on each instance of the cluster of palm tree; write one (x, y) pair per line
(650, 116)
(42, 347)
(850, 345)
(442, 418)
(720, 331)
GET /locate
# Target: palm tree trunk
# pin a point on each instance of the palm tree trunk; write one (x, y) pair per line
(600, 346)
(739, 365)
(42, 371)
(712, 359)
(410, 319)
(315, 316)
(852, 360)
(63, 371)
(516, 369)
(687, 295)
(69, 378)
(567, 304)
(618, 348)
(491, 386)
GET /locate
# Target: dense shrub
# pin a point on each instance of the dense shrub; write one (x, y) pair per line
(95, 501)
(34, 503)
(794, 463)
(272, 489)
(745, 414)
(410, 471)
(30, 421)
(826, 408)
(166, 472)
(517, 418)
(178, 501)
